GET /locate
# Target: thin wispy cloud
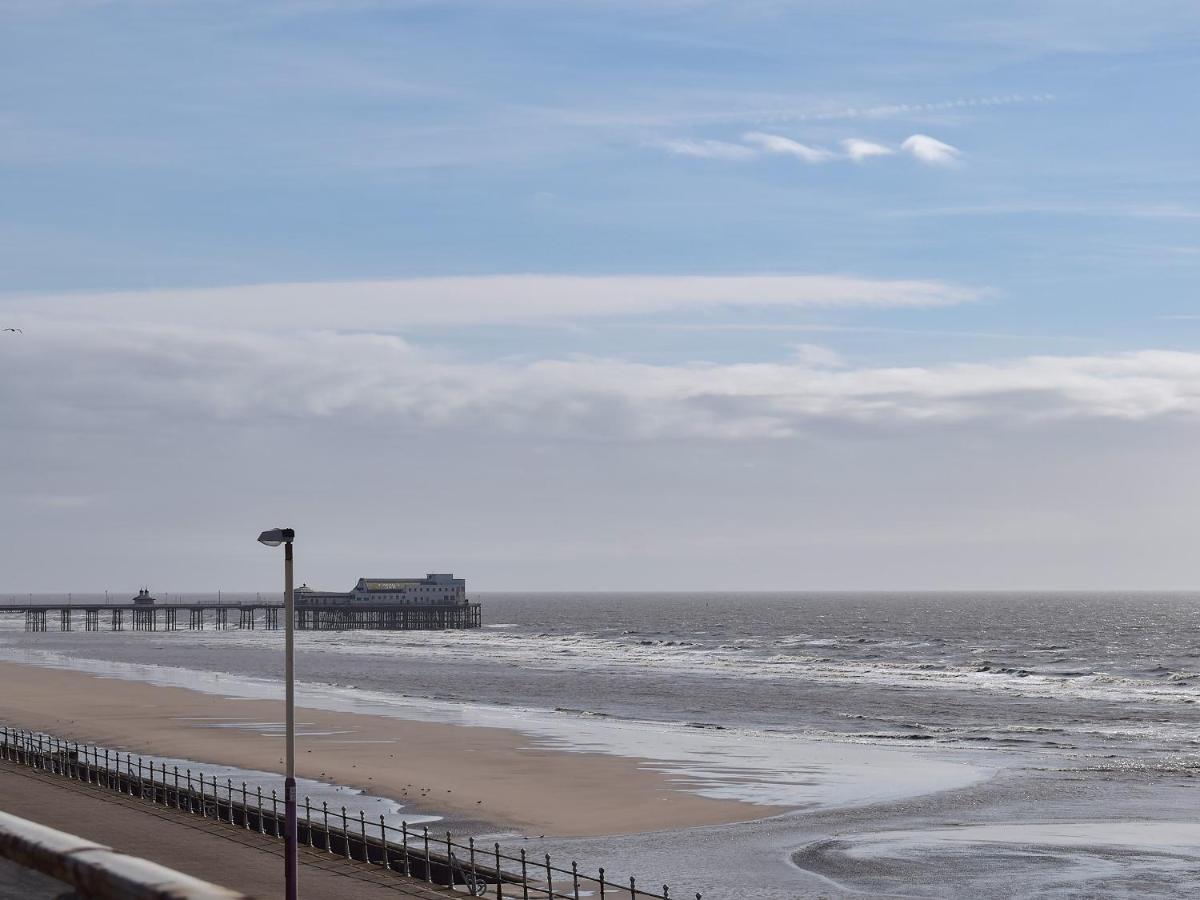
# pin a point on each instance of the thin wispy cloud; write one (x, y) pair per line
(709, 149)
(1044, 208)
(901, 110)
(784, 146)
(824, 328)
(487, 299)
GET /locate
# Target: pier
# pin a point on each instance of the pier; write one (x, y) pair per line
(267, 615)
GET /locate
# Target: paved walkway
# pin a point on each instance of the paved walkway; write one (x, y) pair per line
(243, 860)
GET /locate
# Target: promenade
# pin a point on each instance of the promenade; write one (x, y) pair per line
(232, 857)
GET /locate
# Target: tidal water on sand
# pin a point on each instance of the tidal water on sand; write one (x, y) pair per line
(1055, 734)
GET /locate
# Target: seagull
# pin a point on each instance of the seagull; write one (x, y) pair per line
(17, 330)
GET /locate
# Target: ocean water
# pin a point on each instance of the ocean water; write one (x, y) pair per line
(1086, 673)
(1092, 697)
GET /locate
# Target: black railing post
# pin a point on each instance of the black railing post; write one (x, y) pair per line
(404, 848)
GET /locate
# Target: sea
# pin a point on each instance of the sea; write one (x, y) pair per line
(1051, 738)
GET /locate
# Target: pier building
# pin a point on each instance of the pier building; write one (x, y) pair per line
(436, 601)
(432, 590)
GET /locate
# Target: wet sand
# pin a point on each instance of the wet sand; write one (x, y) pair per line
(496, 776)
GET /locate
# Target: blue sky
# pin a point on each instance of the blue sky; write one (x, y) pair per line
(610, 233)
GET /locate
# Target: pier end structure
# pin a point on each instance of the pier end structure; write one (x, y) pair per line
(437, 601)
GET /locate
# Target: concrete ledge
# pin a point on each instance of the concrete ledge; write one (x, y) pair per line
(97, 871)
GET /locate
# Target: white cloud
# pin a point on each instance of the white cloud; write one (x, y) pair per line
(931, 151)
(858, 149)
(922, 147)
(783, 146)
(390, 305)
(709, 150)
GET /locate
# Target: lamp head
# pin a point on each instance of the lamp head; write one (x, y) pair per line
(275, 536)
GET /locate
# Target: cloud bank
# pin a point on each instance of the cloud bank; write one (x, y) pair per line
(119, 377)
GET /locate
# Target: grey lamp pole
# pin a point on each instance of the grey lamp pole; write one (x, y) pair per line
(273, 538)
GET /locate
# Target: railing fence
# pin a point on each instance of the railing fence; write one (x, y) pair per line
(480, 871)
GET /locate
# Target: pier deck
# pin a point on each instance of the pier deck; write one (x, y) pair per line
(199, 616)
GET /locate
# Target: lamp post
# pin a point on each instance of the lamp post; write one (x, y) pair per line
(273, 538)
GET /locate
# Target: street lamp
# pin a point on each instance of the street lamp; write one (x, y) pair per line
(273, 538)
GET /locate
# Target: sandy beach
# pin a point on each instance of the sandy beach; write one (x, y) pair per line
(491, 775)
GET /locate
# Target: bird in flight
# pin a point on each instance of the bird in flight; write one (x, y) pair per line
(17, 330)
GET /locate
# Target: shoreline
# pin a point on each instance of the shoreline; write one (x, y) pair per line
(782, 770)
(480, 773)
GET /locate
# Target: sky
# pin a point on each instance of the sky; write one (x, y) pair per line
(600, 294)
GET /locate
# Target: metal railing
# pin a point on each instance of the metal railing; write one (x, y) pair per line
(95, 871)
(478, 869)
